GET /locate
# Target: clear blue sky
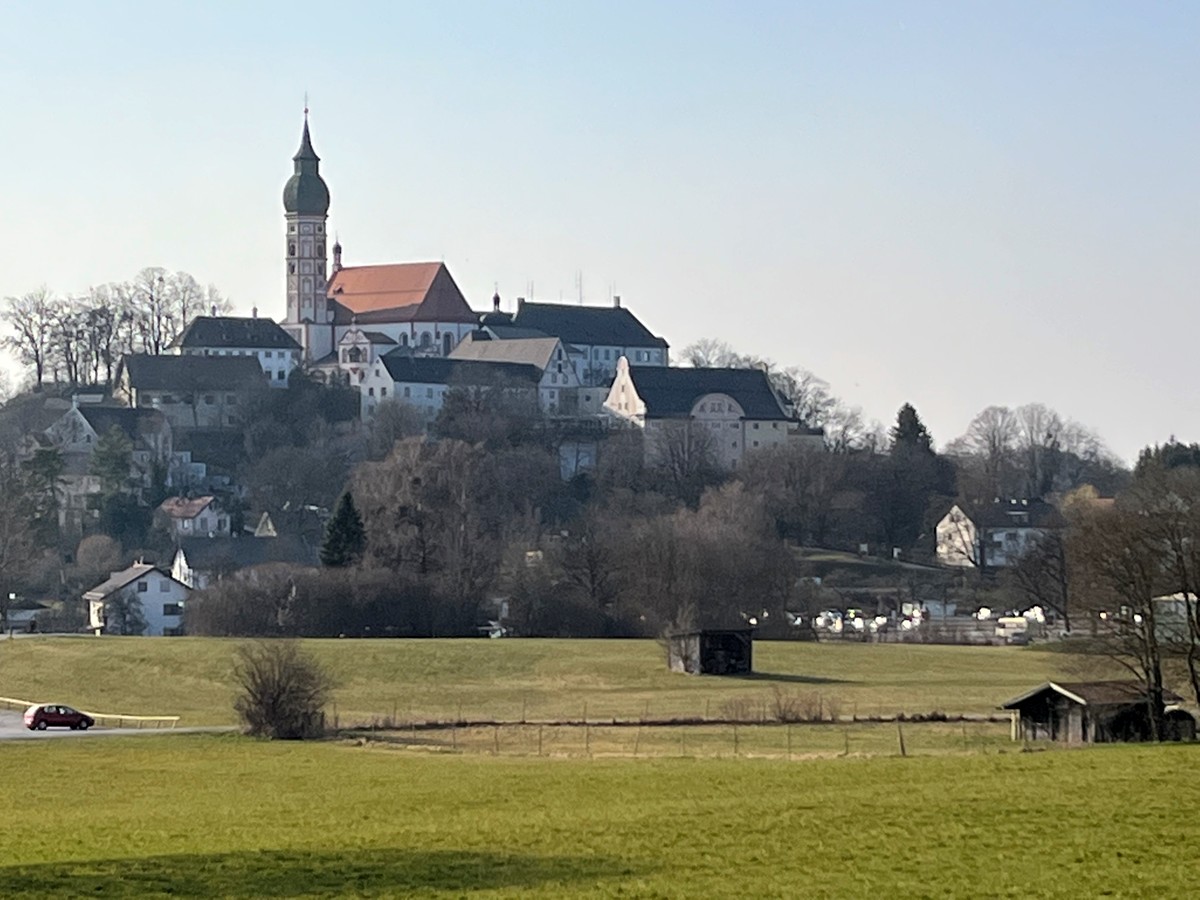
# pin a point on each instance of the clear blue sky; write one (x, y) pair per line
(953, 204)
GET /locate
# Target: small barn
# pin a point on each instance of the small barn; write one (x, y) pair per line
(710, 651)
(1094, 712)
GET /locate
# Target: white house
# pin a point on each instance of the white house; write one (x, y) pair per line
(147, 589)
(733, 411)
(277, 352)
(993, 535)
(187, 517)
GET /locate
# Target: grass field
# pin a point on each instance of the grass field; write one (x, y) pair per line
(529, 679)
(226, 816)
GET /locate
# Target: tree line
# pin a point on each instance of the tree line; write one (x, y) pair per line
(79, 339)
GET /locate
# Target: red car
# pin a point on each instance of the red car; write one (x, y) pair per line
(55, 715)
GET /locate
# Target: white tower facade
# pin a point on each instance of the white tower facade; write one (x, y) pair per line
(306, 209)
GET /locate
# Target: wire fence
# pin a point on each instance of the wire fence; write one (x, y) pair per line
(695, 740)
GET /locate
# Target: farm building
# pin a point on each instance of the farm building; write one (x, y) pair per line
(1094, 712)
(711, 651)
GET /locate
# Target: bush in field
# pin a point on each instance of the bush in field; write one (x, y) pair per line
(281, 690)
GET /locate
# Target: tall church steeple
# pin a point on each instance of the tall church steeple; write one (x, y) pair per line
(306, 208)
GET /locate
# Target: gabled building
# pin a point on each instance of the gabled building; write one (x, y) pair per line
(191, 391)
(187, 517)
(277, 352)
(729, 412)
(994, 535)
(559, 388)
(596, 337)
(75, 434)
(156, 596)
(424, 381)
(200, 562)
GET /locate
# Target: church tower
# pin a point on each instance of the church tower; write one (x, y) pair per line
(306, 207)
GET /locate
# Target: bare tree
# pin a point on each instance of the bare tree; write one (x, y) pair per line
(1042, 576)
(683, 457)
(282, 690)
(30, 319)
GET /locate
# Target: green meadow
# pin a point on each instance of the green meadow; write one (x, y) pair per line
(220, 815)
(531, 680)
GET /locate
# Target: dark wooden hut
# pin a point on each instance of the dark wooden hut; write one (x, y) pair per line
(1094, 712)
(711, 651)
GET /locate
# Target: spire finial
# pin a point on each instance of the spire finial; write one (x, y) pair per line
(306, 106)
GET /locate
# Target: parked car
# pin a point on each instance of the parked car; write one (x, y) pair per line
(55, 715)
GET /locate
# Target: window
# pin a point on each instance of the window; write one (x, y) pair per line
(280, 375)
(204, 523)
(143, 587)
(291, 249)
(164, 586)
(734, 445)
(404, 340)
(320, 229)
(756, 426)
(756, 443)
(607, 354)
(209, 400)
(383, 392)
(267, 354)
(172, 609)
(291, 268)
(370, 392)
(560, 367)
(407, 392)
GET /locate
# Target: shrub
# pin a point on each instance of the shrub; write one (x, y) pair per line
(281, 690)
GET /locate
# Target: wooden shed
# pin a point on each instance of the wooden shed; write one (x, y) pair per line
(1094, 712)
(711, 651)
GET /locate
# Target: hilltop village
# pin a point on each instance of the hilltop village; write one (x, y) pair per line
(388, 459)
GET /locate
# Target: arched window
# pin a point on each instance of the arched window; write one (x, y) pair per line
(291, 249)
(447, 344)
(426, 339)
(404, 340)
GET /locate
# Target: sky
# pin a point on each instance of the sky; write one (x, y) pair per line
(949, 204)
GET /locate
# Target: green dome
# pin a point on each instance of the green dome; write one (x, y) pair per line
(305, 192)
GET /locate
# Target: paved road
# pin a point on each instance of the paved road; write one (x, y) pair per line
(12, 728)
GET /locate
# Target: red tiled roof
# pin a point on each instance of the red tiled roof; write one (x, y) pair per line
(185, 507)
(399, 292)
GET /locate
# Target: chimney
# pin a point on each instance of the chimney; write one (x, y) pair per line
(213, 310)
(520, 303)
(496, 302)
(616, 301)
(254, 312)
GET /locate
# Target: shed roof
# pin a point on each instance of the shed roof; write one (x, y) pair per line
(234, 331)
(673, 392)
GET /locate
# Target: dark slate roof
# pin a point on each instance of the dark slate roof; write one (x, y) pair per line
(671, 392)
(231, 331)
(441, 370)
(133, 422)
(605, 325)
(231, 554)
(192, 373)
(1093, 693)
(1016, 514)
